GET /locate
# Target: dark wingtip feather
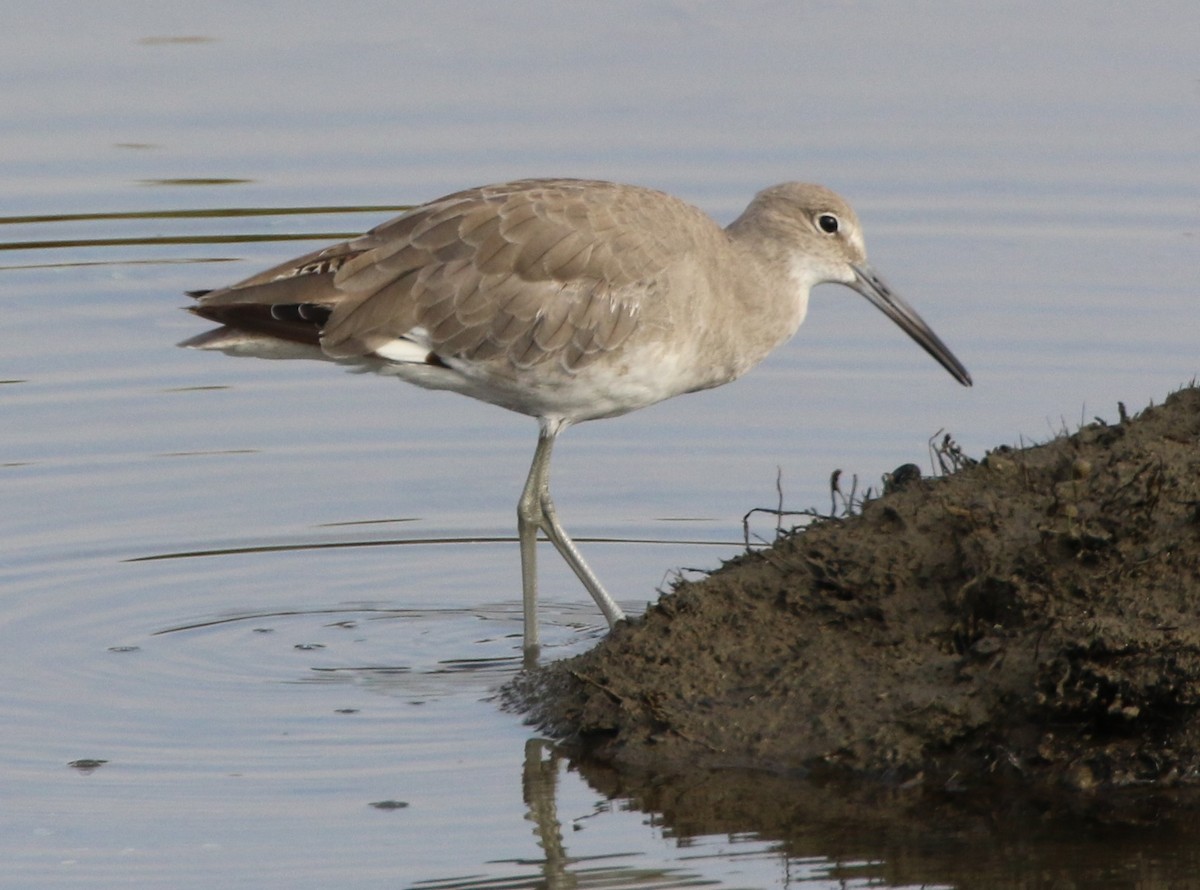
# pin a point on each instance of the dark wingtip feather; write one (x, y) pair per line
(293, 323)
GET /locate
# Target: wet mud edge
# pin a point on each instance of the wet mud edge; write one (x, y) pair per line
(1031, 618)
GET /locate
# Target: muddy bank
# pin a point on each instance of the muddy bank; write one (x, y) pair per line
(1030, 618)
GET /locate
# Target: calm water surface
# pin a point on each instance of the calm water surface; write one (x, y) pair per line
(224, 579)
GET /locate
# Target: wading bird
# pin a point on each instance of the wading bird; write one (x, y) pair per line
(566, 300)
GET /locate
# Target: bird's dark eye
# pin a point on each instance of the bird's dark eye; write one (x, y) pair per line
(828, 223)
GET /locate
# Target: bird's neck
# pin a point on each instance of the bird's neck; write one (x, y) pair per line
(771, 297)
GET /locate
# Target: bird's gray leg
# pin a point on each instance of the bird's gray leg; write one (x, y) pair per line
(536, 511)
(529, 520)
(562, 541)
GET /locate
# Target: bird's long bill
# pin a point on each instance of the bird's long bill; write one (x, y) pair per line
(868, 283)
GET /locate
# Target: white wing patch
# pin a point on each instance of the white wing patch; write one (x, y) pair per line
(412, 348)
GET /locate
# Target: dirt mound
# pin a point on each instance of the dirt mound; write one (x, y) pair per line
(1034, 616)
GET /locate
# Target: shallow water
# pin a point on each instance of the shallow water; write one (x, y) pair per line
(270, 594)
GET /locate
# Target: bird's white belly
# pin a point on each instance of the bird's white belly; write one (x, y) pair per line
(605, 388)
